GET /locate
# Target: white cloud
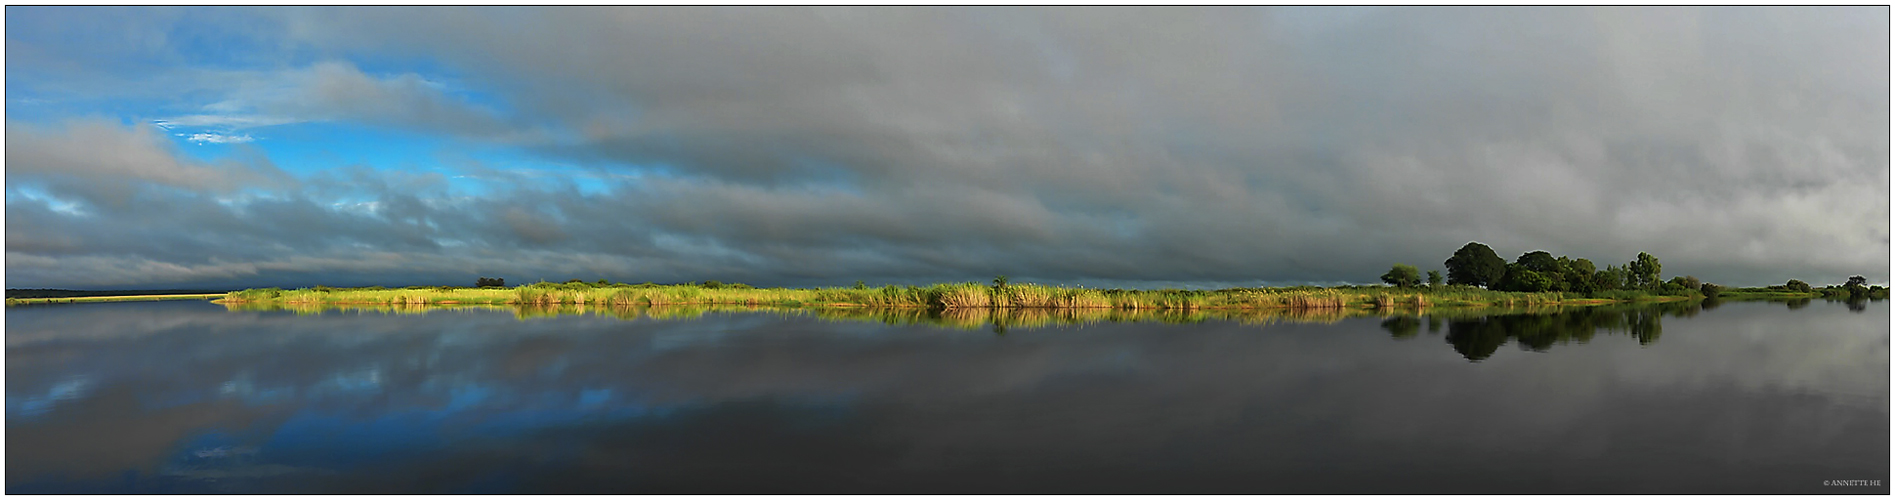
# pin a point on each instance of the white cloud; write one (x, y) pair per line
(336, 91)
(211, 138)
(222, 121)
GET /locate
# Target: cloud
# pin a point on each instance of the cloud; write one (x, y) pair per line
(203, 138)
(1210, 145)
(104, 164)
(336, 91)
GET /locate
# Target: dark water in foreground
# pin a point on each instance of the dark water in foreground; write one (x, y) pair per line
(188, 397)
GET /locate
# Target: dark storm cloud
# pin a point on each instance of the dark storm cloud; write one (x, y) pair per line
(1219, 145)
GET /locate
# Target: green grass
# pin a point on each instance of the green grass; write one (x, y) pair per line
(1764, 293)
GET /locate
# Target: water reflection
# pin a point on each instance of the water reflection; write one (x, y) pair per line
(198, 398)
(1478, 338)
(965, 319)
(1474, 332)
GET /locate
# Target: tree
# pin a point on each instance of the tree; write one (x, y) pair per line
(1579, 275)
(1434, 278)
(1539, 261)
(1710, 290)
(1403, 275)
(1521, 279)
(1546, 266)
(1857, 286)
(1612, 278)
(1681, 285)
(1645, 271)
(484, 281)
(1797, 286)
(859, 285)
(1475, 264)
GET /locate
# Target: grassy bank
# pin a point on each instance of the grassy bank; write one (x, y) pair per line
(117, 298)
(940, 296)
(1402, 322)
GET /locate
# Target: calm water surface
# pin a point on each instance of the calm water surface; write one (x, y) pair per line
(191, 397)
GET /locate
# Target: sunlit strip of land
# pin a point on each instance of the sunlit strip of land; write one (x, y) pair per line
(118, 298)
(946, 296)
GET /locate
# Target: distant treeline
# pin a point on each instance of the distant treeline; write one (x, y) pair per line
(54, 293)
(1477, 265)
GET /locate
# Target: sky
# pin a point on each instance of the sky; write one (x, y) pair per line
(227, 147)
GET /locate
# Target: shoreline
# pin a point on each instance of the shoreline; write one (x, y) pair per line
(943, 296)
(116, 298)
(940, 296)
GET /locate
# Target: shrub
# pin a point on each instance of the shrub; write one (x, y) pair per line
(1797, 286)
(1403, 275)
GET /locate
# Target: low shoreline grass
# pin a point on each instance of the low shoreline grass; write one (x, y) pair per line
(942, 296)
(115, 298)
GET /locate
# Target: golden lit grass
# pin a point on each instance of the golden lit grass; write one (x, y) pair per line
(939, 296)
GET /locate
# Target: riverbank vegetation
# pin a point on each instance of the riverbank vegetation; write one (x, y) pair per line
(1477, 265)
(1000, 294)
(963, 318)
(1476, 277)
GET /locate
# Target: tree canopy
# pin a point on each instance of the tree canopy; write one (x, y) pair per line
(1475, 264)
(1645, 271)
(1403, 275)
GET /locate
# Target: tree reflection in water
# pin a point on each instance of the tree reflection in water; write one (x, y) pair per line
(1477, 338)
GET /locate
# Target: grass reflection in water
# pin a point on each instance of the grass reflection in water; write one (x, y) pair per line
(1475, 332)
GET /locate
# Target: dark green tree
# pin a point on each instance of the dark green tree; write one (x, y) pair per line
(1858, 286)
(1611, 278)
(1521, 279)
(1645, 271)
(1403, 275)
(1434, 278)
(1710, 290)
(1797, 286)
(1579, 275)
(1543, 264)
(1539, 261)
(1475, 264)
